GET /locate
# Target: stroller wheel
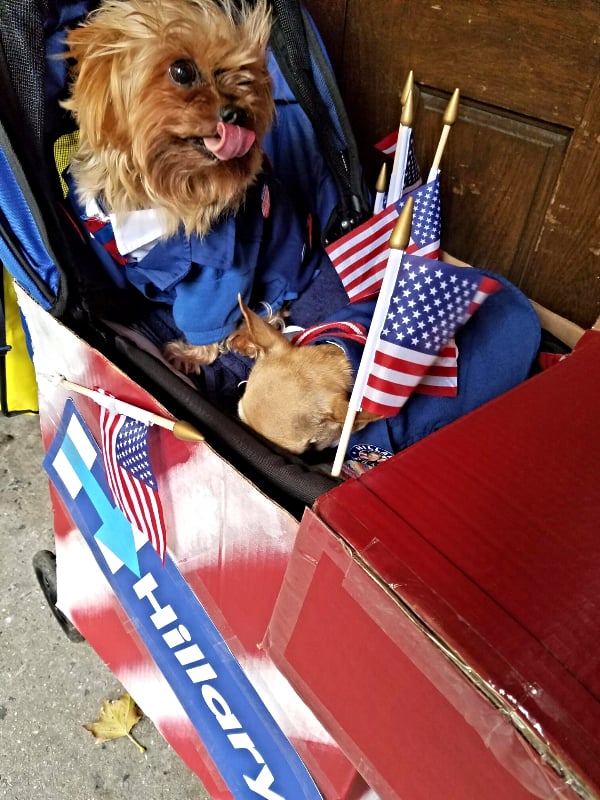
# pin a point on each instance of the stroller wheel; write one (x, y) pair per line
(44, 566)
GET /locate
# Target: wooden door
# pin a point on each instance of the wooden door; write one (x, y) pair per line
(521, 171)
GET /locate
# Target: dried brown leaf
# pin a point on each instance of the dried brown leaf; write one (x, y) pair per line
(116, 719)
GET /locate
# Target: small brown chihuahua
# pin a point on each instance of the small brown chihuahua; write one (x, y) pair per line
(296, 397)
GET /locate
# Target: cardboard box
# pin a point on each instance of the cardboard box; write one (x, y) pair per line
(440, 614)
(182, 638)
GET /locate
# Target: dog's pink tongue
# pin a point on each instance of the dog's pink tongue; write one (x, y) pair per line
(231, 141)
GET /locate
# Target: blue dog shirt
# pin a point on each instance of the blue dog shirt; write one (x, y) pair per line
(261, 253)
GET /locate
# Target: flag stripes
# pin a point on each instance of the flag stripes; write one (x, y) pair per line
(487, 287)
(360, 257)
(135, 497)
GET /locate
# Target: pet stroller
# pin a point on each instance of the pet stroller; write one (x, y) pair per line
(204, 639)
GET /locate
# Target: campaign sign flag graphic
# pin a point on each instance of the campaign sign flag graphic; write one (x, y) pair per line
(248, 748)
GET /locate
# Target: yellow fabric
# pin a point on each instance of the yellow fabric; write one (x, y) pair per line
(63, 148)
(21, 388)
(21, 385)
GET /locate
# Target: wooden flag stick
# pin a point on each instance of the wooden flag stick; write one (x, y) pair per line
(401, 154)
(449, 118)
(181, 430)
(380, 190)
(398, 243)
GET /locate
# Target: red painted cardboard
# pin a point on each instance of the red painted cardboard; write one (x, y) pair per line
(441, 613)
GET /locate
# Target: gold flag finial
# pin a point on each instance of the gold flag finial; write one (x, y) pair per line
(401, 234)
(381, 184)
(186, 432)
(408, 111)
(451, 112)
(408, 87)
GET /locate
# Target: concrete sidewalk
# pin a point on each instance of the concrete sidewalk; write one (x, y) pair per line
(49, 686)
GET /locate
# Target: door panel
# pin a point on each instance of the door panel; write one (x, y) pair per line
(521, 171)
(499, 173)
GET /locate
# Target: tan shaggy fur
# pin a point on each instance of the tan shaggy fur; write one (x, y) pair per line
(140, 133)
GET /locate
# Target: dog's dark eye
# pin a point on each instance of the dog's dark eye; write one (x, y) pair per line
(184, 73)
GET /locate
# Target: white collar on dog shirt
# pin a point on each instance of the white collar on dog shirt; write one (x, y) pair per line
(135, 232)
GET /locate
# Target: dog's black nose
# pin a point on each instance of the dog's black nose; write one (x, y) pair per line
(233, 115)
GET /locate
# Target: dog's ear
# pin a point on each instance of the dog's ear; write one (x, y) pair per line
(339, 409)
(363, 418)
(257, 337)
(96, 99)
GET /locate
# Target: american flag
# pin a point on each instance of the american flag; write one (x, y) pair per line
(130, 476)
(430, 301)
(412, 176)
(360, 257)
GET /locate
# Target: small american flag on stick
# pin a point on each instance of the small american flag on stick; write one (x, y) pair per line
(430, 301)
(412, 176)
(360, 257)
(130, 475)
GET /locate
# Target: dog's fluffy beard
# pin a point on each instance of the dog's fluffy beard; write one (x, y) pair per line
(142, 132)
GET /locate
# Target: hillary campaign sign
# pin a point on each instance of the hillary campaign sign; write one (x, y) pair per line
(250, 751)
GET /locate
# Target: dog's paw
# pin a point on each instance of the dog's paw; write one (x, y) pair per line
(190, 358)
(241, 341)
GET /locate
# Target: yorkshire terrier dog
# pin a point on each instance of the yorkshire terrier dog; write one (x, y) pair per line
(172, 99)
